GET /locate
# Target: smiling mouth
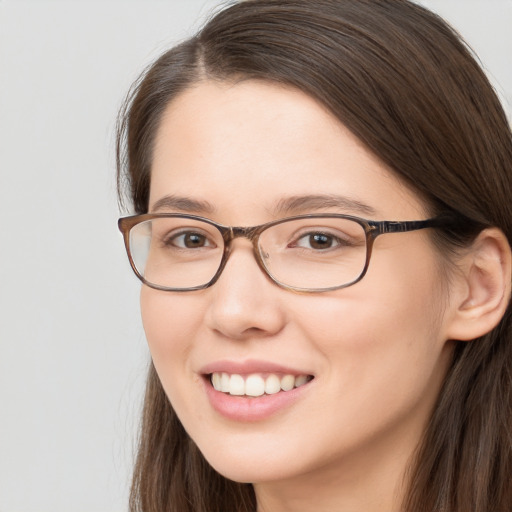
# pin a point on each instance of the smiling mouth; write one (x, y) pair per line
(255, 385)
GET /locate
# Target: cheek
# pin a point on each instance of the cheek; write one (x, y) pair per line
(385, 344)
(373, 316)
(170, 323)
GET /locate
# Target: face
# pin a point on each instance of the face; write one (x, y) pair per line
(372, 356)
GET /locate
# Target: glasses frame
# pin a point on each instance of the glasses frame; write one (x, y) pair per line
(372, 230)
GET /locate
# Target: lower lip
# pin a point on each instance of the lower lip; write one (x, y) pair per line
(244, 408)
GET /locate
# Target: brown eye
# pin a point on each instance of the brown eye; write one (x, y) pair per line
(318, 241)
(191, 240)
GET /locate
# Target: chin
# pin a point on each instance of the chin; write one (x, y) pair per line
(246, 465)
(248, 474)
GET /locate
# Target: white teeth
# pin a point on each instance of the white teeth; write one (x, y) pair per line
(254, 384)
(301, 380)
(216, 380)
(287, 382)
(272, 385)
(236, 385)
(224, 383)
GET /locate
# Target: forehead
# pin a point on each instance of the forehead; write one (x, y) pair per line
(249, 146)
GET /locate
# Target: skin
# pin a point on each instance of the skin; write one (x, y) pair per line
(378, 350)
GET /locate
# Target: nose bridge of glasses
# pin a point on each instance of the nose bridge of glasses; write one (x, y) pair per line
(251, 233)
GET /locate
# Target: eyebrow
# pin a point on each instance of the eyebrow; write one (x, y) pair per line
(301, 204)
(183, 204)
(286, 206)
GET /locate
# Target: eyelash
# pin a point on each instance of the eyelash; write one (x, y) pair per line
(170, 240)
(340, 242)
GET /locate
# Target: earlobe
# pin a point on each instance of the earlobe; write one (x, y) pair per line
(486, 283)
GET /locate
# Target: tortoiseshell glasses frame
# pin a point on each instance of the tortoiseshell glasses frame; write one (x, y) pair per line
(372, 229)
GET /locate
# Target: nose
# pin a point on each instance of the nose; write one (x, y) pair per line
(244, 302)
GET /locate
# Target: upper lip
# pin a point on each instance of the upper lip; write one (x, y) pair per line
(249, 366)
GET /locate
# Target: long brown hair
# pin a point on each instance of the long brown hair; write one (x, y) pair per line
(406, 85)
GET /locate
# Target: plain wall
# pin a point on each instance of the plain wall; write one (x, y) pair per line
(72, 348)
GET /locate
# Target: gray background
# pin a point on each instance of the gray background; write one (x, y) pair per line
(72, 349)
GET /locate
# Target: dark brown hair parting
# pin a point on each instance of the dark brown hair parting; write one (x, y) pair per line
(406, 85)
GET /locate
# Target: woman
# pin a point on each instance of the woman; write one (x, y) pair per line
(349, 347)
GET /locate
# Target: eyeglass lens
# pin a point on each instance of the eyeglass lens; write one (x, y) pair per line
(314, 253)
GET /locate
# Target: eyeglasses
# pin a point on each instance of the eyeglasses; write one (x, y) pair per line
(306, 253)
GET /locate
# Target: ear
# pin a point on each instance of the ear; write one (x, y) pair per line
(483, 287)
